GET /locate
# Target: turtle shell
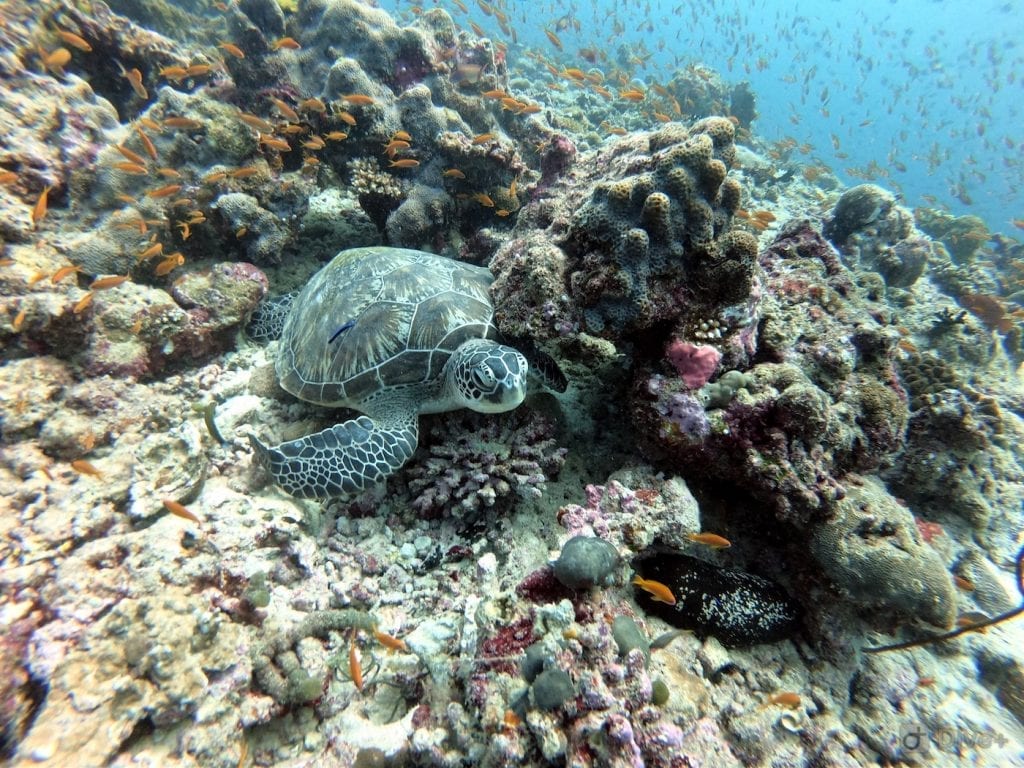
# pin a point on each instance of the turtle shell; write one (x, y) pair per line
(381, 318)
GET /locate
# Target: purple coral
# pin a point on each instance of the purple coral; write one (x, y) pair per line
(685, 411)
(479, 463)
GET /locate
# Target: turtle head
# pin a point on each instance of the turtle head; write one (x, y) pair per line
(487, 377)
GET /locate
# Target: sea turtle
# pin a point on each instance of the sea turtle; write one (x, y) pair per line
(392, 333)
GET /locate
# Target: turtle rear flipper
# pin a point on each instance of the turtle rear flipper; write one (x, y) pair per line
(345, 458)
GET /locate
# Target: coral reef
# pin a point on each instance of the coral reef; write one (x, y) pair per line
(837, 390)
(654, 234)
(875, 233)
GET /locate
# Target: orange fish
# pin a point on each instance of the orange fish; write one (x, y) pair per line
(63, 272)
(19, 319)
(135, 168)
(198, 70)
(482, 138)
(346, 118)
(166, 191)
(275, 143)
(355, 669)
(180, 510)
(394, 145)
(712, 540)
(336, 136)
(75, 41)
(454, 173)
(169, 173)
(658, 591)
(82, 303)
(213, 178)
(284, 109)
(313, 105)
(233, 49)
(8, 177)
(174, 121)
(401, 136)
(129, 155)
(406, 162)
(497, 93)
(170, 263)
(39, 209)
(484, 200)
(134, 78)
(359, 99)
(555, 41)
(963, 583)
(786, 699)
(632, 94)
(146, 142)
(256, 122)
(56, 59)
(389, 642)
(177, 74)
(285, 42)
(85, 468)
(243, 173)
(314, 142)
(107, 282)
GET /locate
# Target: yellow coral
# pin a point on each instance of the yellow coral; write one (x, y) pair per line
(289, 6)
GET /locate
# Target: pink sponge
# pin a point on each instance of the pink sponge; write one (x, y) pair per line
(695, 363)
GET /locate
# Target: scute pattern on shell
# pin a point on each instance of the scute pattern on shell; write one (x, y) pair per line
(407, 311)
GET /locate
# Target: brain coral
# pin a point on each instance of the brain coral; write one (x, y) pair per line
(655, 233)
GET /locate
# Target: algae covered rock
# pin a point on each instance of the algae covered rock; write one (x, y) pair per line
(586, 561)
(872, 551)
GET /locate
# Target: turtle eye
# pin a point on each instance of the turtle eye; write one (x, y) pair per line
(483, 378)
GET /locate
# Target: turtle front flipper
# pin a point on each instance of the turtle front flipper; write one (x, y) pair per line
(345, 458)
(267, 320)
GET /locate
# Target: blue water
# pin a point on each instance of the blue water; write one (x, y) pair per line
(922, 97)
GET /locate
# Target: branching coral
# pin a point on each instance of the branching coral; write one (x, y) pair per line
(379, 192)
(478, 463)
